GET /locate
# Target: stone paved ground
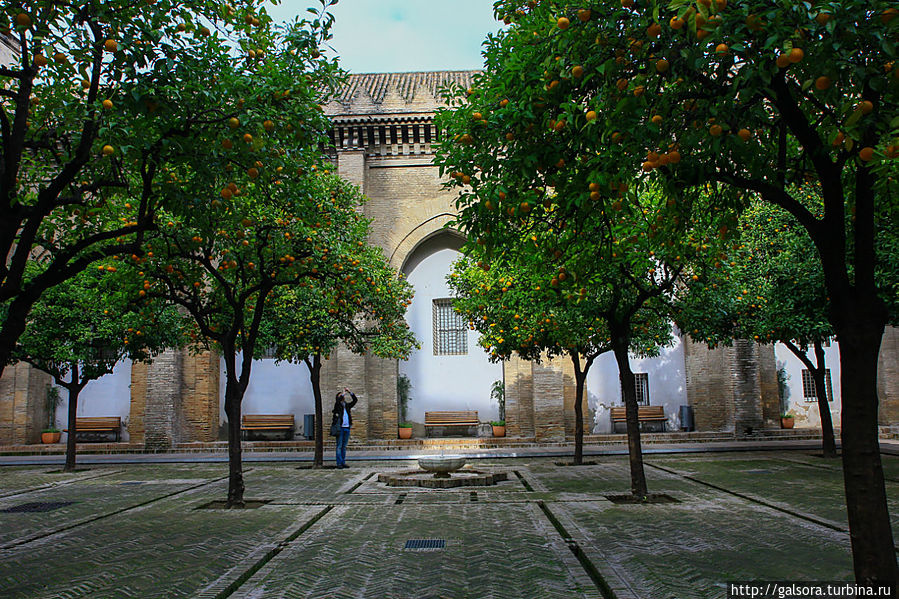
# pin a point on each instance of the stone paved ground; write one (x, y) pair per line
(549, 531)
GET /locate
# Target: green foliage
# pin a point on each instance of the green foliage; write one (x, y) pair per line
(498, 423)
(50, 404)
(498, 394)
(111, 108)
(403, 390)
(90, 322)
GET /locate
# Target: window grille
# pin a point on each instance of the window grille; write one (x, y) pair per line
(808, 385)
(641, 382)
(450, 332)
(269, 353)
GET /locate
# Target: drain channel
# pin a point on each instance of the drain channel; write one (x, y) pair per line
(400, 499)
(585, 562)
(359, 484)
(524, 483)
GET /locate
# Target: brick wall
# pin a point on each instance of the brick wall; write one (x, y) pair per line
(709, 386)
(23, 413)
(200, 395)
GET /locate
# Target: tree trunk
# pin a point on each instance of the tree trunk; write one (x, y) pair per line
(73, 389)
(828, 441)
(873, 553)
(315, 368)
(578, 410)
(635, 452)
(233, 398)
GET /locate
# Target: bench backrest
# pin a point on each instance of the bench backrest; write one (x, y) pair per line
(643, 412)
(470, 416)
(267, 419)
(86, 423)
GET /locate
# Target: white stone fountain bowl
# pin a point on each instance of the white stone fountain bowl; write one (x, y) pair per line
(442, 464)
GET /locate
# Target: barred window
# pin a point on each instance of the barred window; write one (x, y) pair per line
(450, 332)
(641, 382)
(808, 385)
(268, 353)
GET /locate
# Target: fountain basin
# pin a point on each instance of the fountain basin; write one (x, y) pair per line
(442, 465)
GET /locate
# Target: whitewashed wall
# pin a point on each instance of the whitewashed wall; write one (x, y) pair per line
(107, 396)
(667, 385)
(806, 412)
(443, 382)
(276, 389)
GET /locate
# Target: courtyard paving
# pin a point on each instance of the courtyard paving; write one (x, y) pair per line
(141, 530)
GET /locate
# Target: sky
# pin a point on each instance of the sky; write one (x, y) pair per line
(383, 36)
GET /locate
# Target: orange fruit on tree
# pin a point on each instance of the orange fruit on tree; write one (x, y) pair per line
(744, 134)
(627, 3)
(577, 72)
(563, 23)
(584, 15)
(227, 144)
(662, 65)
(108, 150)
(721, 4)
(107, 104)
(715, 130)
(657, 119)
(268, 126)
(654, 30)
(591, 115)
(783, 60)
(639, 90)
(673, 157)
(234, 122)
(866, 154)
(796, 55)
(40, 60)
(838, 139)
(866, 106)
(111, 45)
(721, 49)
(701, 34)
(248, 138)
(822, 18)
(676, 23)
(822, 82)
(23, 20)
(253, 172)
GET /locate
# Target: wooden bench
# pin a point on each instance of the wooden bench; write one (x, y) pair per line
(98, 425)
(644, 414)
(267, 422)
(441, 419)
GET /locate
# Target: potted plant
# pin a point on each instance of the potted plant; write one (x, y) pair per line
(51, 434)
(787, 420)
(498, 394)
(403, 387)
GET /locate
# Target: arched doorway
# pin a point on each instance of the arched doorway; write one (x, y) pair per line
(450, 371)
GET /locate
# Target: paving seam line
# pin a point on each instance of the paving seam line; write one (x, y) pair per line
(213, 591)
(589, 567)
(828, 468)
(59, 484)
(772, 506)
(20, 542)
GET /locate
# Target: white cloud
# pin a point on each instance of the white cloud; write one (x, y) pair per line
(405, 35)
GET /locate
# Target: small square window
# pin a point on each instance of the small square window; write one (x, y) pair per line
(808, 385)
(641, 382)
(450, 332)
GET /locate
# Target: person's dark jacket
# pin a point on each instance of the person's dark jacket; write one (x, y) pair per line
(338, 410)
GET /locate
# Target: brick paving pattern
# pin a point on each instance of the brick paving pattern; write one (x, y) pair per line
(549, 531)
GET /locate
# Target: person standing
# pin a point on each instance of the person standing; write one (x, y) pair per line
(344, 418)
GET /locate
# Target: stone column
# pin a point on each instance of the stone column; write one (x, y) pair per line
(519, 397)
(23, 412)
(380, 377)
(549, 401)
(351, 167)
(747, 398)
(346, 369)
(200, 395)
(136, 427)
(888, 378)
(710, 386)
(163, 417)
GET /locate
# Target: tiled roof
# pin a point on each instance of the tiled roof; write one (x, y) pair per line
(365, 93)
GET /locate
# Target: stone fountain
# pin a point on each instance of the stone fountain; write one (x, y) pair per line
(442, 472)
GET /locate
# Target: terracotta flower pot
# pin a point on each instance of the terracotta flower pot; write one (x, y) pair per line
(499, 431)
(404, 432)
(50, 437)
(787, 422)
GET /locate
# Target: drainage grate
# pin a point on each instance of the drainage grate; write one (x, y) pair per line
(425, 544)
(38, 506)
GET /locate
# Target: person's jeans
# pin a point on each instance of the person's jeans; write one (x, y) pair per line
(342, 439)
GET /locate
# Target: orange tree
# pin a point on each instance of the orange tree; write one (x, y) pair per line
(221, 262)
(364, 310)
(518, 308)
(745, 98)
(771, 291)
(80, 329)
(101, 97)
